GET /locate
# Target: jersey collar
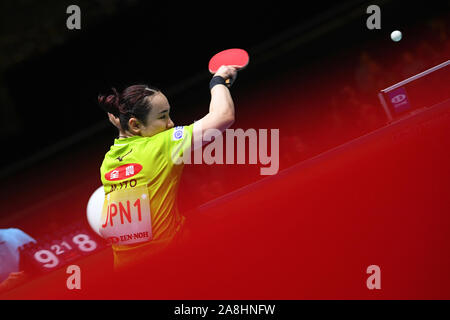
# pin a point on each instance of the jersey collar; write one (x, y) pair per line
(125, 141)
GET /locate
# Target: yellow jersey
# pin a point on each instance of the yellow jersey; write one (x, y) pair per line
(140, 176)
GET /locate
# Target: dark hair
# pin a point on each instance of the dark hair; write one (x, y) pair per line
(130, 103)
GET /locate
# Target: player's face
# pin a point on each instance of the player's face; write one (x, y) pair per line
(158, 119)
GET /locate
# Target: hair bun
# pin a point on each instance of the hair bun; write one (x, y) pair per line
(110, 103)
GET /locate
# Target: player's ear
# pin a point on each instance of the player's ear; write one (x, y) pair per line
(134, 126)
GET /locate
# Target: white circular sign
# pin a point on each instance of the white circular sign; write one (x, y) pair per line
(94, 209)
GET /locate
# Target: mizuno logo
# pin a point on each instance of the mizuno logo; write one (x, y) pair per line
(120, 158)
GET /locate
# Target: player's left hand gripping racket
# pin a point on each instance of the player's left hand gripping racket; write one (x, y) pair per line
(238, 57)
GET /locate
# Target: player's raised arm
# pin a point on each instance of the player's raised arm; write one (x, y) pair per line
(221, 107)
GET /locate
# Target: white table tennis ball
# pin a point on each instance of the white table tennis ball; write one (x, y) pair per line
(94, 209)
(396, 36)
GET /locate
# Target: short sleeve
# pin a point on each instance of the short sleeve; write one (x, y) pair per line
(178, 142)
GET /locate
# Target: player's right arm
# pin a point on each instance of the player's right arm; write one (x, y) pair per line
(221, 108)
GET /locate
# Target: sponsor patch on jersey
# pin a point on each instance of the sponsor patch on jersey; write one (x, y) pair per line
(123, 172)
(178, 133)
(126, 217)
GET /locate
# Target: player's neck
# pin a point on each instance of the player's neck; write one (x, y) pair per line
(124, 134)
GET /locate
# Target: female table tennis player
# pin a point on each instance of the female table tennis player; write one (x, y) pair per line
(140, 216)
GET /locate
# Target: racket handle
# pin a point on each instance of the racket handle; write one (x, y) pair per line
(230, 81)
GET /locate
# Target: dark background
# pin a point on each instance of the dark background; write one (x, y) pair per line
(51, 75)
(320, 57)
(308, 232)
(53, 91)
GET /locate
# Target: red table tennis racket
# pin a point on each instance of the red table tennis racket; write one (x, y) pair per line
(228, 57)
